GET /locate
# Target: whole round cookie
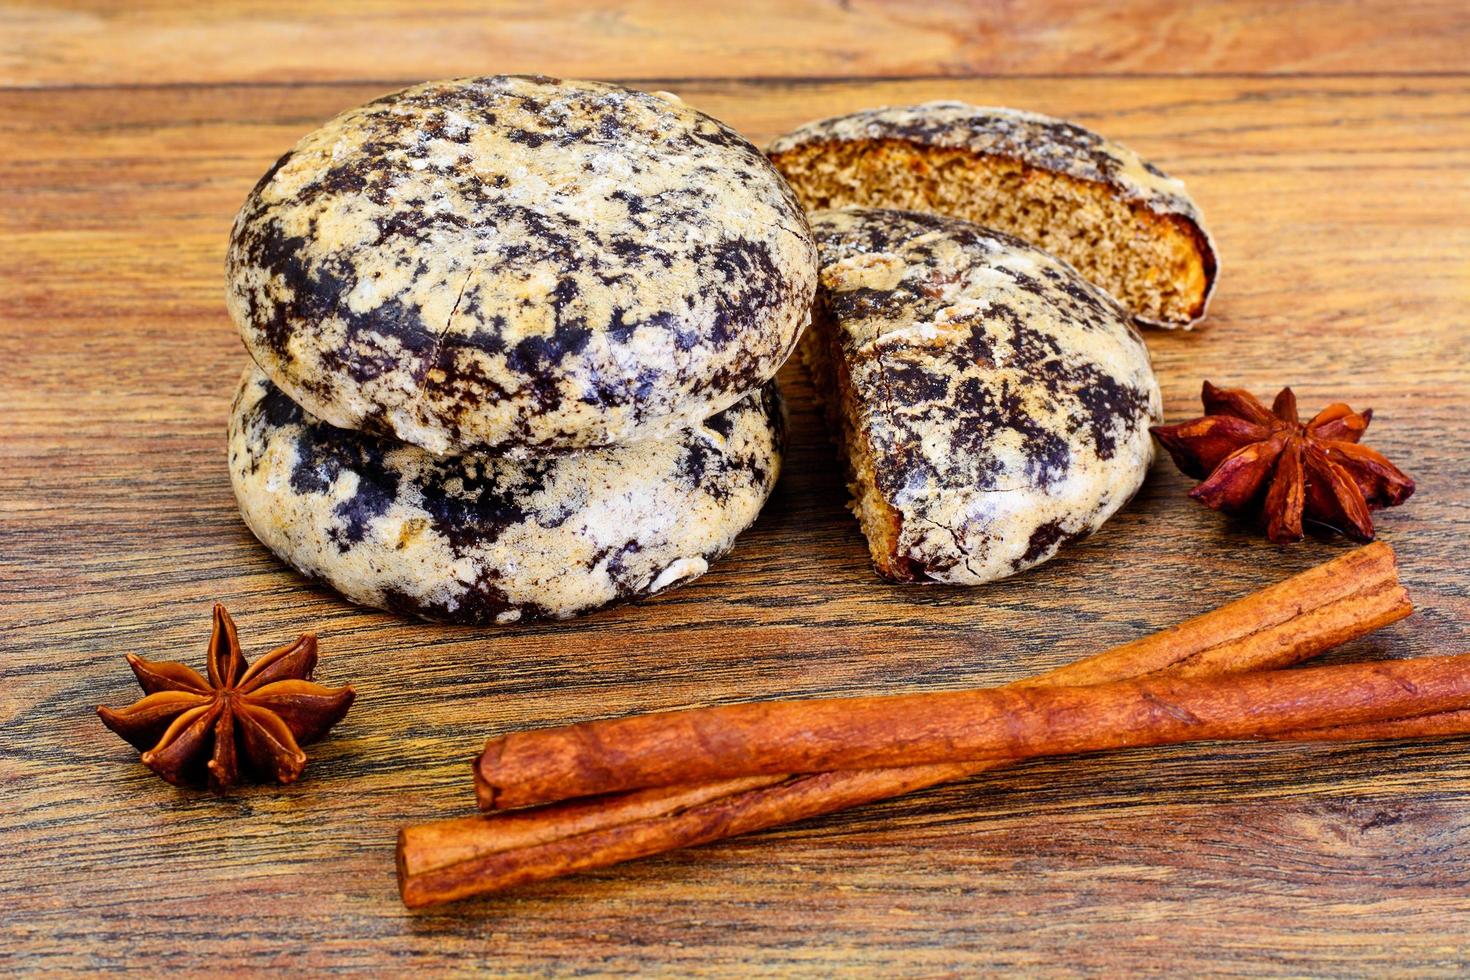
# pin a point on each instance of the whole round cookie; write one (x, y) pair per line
(520, 263)
(482, 539)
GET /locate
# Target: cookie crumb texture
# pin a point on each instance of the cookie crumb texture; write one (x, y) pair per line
(992, 404)
(1119, 220)
(520, 263)
(476, 539)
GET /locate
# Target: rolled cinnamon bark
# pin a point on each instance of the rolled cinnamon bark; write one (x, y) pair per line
(547, 765)
(448, 860)
(778, 737)
(441, 861)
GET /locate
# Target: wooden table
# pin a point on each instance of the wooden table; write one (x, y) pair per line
(1329, 145)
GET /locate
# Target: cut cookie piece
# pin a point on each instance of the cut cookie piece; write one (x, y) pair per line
(475, 539)
(520, 263)
(1121, 221)
(992, 404)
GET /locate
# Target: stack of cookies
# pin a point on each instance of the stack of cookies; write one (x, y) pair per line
(514, 338)
(514, 341)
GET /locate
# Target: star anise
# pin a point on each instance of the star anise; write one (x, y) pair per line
(1254, 458)
(192, 729)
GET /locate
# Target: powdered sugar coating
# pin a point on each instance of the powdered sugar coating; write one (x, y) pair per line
(1004, 399)
(481, 539)
(520, 263)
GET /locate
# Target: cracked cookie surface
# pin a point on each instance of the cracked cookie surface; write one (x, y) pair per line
(520, 263)
(483, 539)
(993, 404)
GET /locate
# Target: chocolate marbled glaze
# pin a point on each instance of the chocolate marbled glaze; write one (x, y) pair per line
(1005, 400)
(483, 539)
(520, 263)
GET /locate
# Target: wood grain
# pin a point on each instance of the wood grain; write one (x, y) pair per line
(1339, 204)
(150, 42)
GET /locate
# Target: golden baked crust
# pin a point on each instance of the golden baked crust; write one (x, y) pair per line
(520, 264)
(993, 404)
(1119, 220)
(484, 539)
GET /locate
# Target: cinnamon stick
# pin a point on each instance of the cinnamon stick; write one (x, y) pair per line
(447, 860)
(779, 737)
(1291, 621)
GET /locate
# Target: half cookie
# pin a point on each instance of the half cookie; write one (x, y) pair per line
(518, 264)
(992, 404)
(1121, 221)
(475, 539)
